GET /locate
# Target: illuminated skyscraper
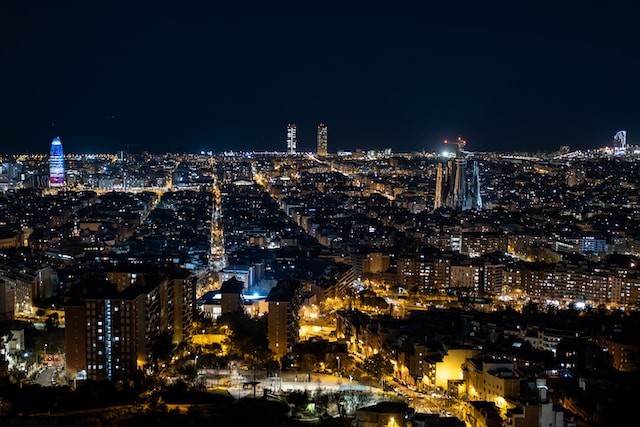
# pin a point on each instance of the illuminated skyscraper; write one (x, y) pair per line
(322, 140)
(292, 139)
(56, 164)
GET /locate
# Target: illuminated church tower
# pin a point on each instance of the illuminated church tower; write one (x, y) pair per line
(452, 190)
(440, 181)
(475, 199)
(457, 179)
(56, 164)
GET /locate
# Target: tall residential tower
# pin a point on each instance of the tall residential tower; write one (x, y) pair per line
(322, 140)
(292, 139)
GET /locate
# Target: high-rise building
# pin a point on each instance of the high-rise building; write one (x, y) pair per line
(112, 322)
(284, 302)
(451, 183)
(56, 164)
(105, 334)
(322, 140)
(292, 139)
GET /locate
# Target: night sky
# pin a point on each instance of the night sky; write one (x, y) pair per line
(211, 75)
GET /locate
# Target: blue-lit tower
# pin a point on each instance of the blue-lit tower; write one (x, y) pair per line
(475, 199)
(56, 164)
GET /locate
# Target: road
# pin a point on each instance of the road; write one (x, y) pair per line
(429, 403)
(238, 383)
(49, 376)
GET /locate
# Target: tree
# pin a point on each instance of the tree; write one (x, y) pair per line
(308, 362)
(52, 322)
(188, 371)
(378, 366)
(162, 347)
(531, 309)
(248, 337)
(215, 348)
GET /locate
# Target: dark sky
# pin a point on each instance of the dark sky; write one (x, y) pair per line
(217, 75)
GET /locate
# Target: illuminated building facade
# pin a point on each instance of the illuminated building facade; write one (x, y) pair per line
(56, 164)
(112, 323)
(322, 140)
(439, 200)
(292, 139)
(105, 337)
(283, 327)
(488, 378)
(452, 189)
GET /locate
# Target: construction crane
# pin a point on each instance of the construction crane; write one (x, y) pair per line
(460, 143)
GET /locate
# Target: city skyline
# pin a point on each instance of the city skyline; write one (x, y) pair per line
(437, 285)
(157, 76)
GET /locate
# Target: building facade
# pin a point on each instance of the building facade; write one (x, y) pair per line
(111, 325)
(106, 335)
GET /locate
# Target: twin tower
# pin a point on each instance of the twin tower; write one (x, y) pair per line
(452, 190)
(292, 139)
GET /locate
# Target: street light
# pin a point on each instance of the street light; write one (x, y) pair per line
(338, 359)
